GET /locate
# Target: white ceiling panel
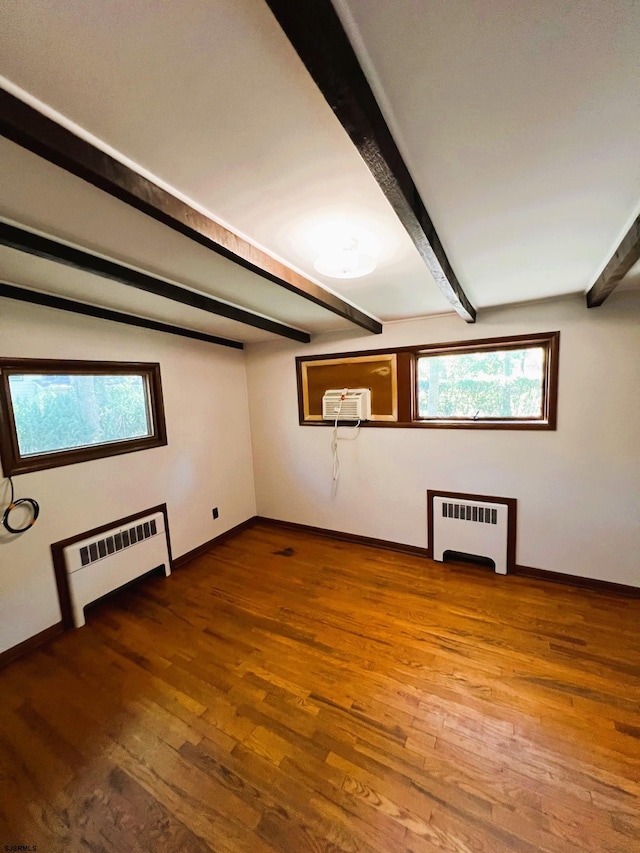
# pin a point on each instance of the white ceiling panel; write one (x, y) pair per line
(520, 125)
(47, 199)
(211, 98)
(50, 277)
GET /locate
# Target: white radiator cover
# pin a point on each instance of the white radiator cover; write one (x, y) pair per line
(471, 527)
(106, 561)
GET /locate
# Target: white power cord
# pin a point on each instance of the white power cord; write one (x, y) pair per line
(335, 472)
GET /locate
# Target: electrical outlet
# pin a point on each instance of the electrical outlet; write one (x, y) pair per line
(215, 512)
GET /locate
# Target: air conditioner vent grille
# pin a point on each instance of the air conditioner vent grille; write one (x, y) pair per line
(347, 404)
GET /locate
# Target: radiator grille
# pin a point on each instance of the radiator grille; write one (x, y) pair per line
(464, 512)
(101, 548)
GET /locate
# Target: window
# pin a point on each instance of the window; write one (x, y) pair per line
(56, 413)
(497, 383)
(489, 383)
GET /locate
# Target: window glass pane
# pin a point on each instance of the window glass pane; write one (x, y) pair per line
(64, 412)
(477, 385)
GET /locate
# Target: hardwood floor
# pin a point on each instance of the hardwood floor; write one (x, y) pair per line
(291, 693)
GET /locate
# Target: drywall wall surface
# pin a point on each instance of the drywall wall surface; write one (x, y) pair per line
(206, 463)
(578, 488)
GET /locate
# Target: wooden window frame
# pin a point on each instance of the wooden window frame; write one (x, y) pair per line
(14, 463)
(353, 359)
(407, 388)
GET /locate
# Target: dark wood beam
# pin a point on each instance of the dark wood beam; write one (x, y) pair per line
(49, 300)
(52, 250)
(625, 256)
(315, 31)
(34, 131)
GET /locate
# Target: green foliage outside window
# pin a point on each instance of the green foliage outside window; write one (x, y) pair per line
(490, 384)
(62, 412)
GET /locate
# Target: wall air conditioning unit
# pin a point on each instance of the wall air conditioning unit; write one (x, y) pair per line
(347, 404)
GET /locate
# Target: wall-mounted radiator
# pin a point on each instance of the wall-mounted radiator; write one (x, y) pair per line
(99, 564)
(473, 525)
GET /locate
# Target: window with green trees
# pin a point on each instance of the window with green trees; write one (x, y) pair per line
(489, 383)
(502, 382)
(56, 413)
(496, 384)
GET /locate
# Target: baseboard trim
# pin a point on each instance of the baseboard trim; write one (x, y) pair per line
(594, 584)
(30, 644)
(523, 571)
(347, 537)
(54, 631)
(180, 562)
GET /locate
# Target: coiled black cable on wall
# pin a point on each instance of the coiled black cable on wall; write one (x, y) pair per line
(35, 511)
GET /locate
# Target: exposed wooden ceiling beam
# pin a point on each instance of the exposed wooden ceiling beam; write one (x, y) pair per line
(52, 250)
(625, 256)
(50, 300)
(34, 131)
(315, 31)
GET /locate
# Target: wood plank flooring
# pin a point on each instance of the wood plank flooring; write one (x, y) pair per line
(287, 692)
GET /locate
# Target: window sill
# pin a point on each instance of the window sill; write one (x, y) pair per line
(513, 425)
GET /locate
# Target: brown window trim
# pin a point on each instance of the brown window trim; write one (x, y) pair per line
(13, 463)
(407, 387)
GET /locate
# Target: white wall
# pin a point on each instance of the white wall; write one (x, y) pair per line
(206, 463)
(578, 488)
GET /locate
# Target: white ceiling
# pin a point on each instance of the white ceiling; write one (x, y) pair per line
(49, 200)
(519, 123)
(49, 277)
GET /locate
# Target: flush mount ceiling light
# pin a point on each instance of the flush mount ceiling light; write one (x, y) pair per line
(345, 260)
